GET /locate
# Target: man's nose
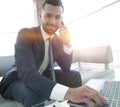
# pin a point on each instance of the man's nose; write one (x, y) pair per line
(53, 21)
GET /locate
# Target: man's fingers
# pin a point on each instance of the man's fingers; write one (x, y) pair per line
(89, 102)
(96, 96)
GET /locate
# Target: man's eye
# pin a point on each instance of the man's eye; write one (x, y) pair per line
(58, 17)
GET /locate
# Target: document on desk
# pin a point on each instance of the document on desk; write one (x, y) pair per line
(96, 84)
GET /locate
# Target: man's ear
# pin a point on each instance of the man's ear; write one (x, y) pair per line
(40, 16)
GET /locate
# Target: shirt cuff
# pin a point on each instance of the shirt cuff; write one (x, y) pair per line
(67, 50)
(58, 92)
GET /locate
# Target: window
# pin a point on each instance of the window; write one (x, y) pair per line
(15, 14)
(93, 22)
(90, 22)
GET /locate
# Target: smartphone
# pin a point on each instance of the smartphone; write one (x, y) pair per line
(58, 31)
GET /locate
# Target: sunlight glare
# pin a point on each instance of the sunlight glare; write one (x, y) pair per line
(100, 28)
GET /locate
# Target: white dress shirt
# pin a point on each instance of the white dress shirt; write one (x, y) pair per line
(59, 90)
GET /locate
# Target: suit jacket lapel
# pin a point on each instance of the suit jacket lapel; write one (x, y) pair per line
(40, 39)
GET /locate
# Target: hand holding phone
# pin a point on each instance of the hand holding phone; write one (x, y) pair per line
(64, 34)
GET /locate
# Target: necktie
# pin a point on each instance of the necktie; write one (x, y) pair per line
(51, 59)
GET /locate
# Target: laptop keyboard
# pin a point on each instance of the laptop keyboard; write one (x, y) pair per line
(111, 91)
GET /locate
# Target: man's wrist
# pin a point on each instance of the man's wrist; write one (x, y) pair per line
(67, 50)
(56, 94)
(68, 94)
(68, 44)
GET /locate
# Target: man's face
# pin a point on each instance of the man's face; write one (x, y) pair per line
(51, 18)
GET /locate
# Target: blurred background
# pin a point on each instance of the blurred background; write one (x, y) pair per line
(90, 22)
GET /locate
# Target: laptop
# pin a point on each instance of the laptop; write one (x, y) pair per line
(109, 89)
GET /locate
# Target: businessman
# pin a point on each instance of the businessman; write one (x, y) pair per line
(29, 81)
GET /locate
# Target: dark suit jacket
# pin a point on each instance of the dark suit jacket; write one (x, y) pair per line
(29, 54)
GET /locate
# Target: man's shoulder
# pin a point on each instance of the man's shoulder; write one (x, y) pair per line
(30, 30)
(30, 33)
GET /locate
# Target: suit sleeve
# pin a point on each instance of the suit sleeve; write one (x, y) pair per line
(63, 59)
(26, 66)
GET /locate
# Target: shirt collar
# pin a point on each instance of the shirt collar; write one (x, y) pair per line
(44, 34)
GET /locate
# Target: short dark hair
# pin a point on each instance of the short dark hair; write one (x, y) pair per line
(52, 2)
